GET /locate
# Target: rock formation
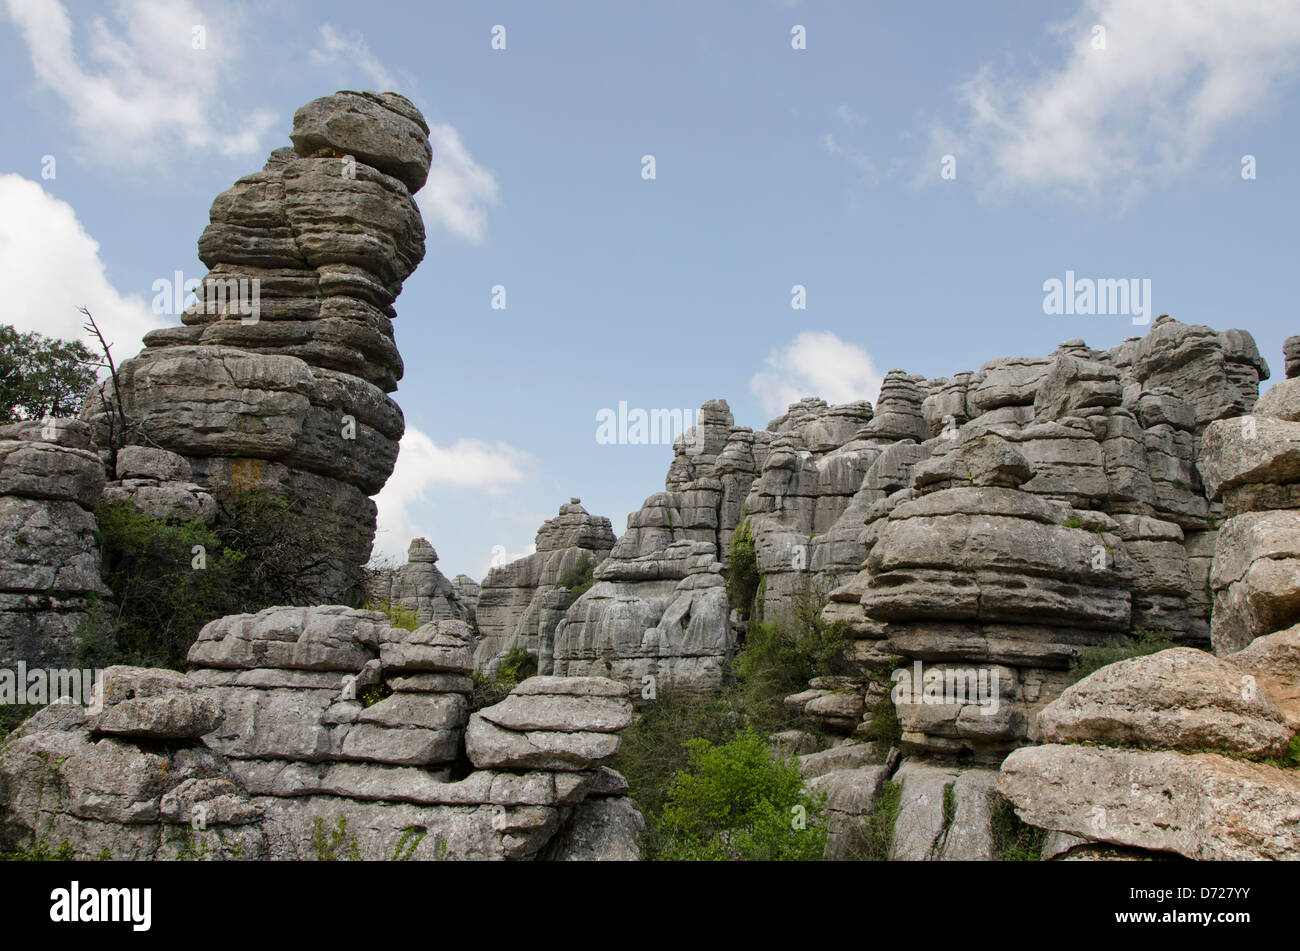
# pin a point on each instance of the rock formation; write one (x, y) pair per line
(467, 591)
(318, 732)
(50, 480)
(1252, 464)
(419, 587)
(520, 603)
(277, 380)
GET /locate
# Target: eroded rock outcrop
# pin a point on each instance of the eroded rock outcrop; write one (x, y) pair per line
(325, 733)
(1252, 464)
(50, 481)
(278, 379)
(419, 587)
(1181, 757)
(521, 603)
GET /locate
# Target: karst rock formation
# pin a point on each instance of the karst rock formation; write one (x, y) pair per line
(293, 400)
(981, 531)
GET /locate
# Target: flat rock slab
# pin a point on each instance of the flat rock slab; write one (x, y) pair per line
(1179, 699)
(491, 747)
(333, 637)
(920, 822)
(1200, 806)
(573, 686)
(564, 714)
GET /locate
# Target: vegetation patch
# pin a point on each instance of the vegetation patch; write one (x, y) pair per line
(169, 578)
(1138, 644)
(1014, 840)
(739, 802)
(579, 579)
(743, 577)
(516, 667)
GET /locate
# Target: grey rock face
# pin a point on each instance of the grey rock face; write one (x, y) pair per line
(159, 484)
(1051, 504)
(312, 717)
(560, 731)
(1291, 351)
(1182, 699)
(1200, 806)
(50, 481)
(286, 393)
(419, 587)
(467, 591)
(1252, 464)
(521, 603)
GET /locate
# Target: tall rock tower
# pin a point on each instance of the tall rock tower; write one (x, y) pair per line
(277, 380)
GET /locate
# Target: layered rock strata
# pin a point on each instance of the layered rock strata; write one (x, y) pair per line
(521, 603)
(326, 733)
(419, 587)
(50, 482)
(278, 379)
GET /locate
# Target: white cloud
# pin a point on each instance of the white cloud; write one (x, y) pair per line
(136, 89)
(1172, 76)
(335, 45)
(815, 363)
(859, 160)
(50, 266)
(423, 466)
(849, 116)
(459, 190)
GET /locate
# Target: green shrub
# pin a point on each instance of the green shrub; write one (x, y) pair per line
(1014, 840)
(778, 659)
(579, 578)
(872, 840)
(326, 845)
(159, 600)
(739, 802)
(1138, 644)
(12, 715)
(251, 557)
(743, 577)
(516, 667)
(41, 852)
(781, 656)
(42, 376)
(653, 749)
(397, 615)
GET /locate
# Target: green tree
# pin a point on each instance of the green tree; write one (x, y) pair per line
(42, 376)
(739, 802)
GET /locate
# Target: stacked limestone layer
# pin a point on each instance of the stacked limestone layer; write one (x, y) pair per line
(520, 604)
(1102, 446)
(659, 605)
(292, 400)
(1169, 754)
(419, 587)
(663, 615)
(467, 591)
(159, 484)
(129, 778)
(1108, 432)
(1252, 464)
(325, 730)
(50, 481)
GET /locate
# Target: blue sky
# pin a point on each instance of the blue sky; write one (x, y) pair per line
(774, 167)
